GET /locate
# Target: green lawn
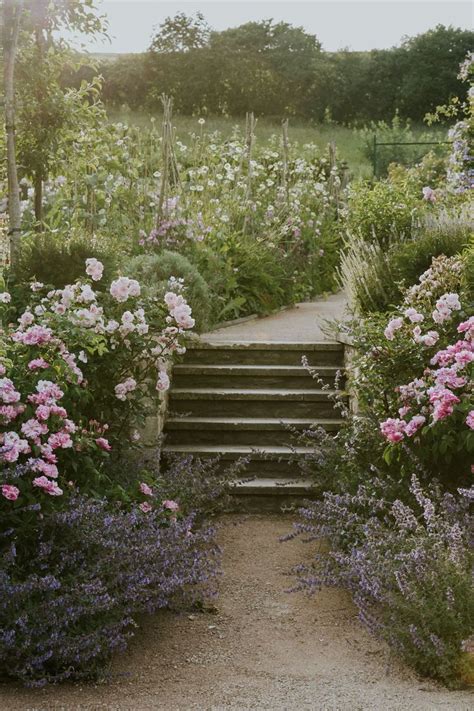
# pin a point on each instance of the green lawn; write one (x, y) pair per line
(349, 143)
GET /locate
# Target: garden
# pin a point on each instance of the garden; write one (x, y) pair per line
(122, 241)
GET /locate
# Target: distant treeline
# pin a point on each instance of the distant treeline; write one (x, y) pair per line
(275, 69)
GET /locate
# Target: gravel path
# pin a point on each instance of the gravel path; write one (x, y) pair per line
(262, 648)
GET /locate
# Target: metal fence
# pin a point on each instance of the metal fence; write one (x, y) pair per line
(376, 145)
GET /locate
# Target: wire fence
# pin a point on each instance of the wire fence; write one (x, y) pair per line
(377, 144)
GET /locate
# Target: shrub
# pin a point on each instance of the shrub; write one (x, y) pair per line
(408, 567)
(413, 373)
(155, 271)
(70, 595)
(395, 132)
(374, 276)
(443, 232)
(79, 369)
(383, 212)
(57, 260)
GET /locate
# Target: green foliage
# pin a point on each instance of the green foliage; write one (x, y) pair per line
(383, 212)
(377, 133)
(154, 271)
(375, 277)
(277, 69)
(55, 260)
(46, 112)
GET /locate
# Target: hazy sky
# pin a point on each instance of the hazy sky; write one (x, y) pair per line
(357, 24)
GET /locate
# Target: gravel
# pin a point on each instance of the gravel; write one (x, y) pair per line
(259, 648)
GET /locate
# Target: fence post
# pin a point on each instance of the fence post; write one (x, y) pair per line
(375, 155)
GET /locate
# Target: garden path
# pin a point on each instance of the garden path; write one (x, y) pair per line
(260, 649)
(303, 322)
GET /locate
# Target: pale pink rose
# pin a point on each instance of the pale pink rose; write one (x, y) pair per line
(393, 429)
(103, 444)
(145, 489)
(170, 505)
(8, 392)
(163, 382)
(33, 429)
(172, 300)
(10, 492)
(394, 325)
(145, 507)
(94, 268)
(467, 327)
(470, 420)
(50, 487)
(122, 389)
(60, 440)
(38, 363)
(413, 315)
(414, 425)
(48, 468)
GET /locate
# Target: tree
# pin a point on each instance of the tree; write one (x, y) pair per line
(181, 33)
(12, 11)
(45, 108)
(429, 66)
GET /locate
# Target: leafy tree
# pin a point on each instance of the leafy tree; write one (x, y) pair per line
(181, 33)
(45, 109)
(429, 67)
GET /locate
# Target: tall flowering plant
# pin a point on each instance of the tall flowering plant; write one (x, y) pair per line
(77, 370)
(435, 408)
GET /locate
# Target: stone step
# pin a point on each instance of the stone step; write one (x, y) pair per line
(240, 430)
(264, 353)
(265, 462)
(251, 376)
(227, 402)
(270, 494)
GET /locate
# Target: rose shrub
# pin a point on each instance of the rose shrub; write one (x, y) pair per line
(78, 369)
(84, 548)
(396, 517)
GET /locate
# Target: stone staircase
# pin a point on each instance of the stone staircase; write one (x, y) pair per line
(238, 399)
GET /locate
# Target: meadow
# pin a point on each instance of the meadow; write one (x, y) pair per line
(350, 141)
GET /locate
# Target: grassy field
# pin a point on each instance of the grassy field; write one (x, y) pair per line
(349, 142)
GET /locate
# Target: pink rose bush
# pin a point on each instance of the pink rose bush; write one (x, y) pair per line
(73, 353)
(438, 404)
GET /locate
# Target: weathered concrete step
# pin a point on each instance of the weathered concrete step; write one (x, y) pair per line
(264, 353)
(250, 376)
(264, 462)
(225, 402)
(257, 431)
(232, 452)
(270, 494)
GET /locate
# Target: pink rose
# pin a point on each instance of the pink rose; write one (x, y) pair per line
(170, 505)
(103, 444)
(145, 507)
(48, 486)
(145, 489)
(470, 420)
(10, 492)
(393, 430)
(37, 363)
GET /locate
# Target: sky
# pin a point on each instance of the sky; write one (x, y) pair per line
(355, 24)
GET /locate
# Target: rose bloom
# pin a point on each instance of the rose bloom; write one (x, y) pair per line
(10, 492)
(145, 507)
(103, 444)
(170, 505)
(145, 489)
